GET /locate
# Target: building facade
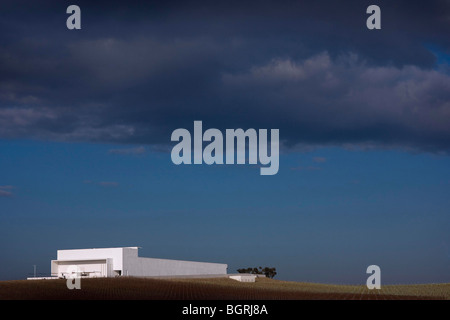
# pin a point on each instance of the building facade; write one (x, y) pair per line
(124, 261)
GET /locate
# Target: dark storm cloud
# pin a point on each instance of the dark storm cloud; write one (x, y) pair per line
(346, 101)
(136, 72)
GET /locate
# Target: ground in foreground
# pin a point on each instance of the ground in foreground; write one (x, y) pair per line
(127, 288)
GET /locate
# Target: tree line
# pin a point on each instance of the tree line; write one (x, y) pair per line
(268, 272)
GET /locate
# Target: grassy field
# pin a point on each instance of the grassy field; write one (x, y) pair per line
(211, 289)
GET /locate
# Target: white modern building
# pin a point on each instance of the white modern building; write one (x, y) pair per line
(111, 262)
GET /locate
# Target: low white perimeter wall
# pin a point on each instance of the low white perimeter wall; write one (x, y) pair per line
(147, 267)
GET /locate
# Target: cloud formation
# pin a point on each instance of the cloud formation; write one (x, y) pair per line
(5, 191)
(347, 101)
(311, 70)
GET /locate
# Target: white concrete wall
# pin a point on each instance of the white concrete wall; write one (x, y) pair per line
(141, 267)
(86, 254)
(244, 277)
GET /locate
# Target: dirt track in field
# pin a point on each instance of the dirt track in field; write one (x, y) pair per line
(210, 289)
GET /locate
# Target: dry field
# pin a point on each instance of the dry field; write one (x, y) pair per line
(210, 289)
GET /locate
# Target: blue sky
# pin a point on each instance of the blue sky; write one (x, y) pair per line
(326, 216)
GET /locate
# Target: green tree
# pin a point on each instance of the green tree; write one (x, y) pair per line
(268, 272)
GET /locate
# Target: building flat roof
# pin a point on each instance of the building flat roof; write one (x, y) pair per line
(101, 248)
